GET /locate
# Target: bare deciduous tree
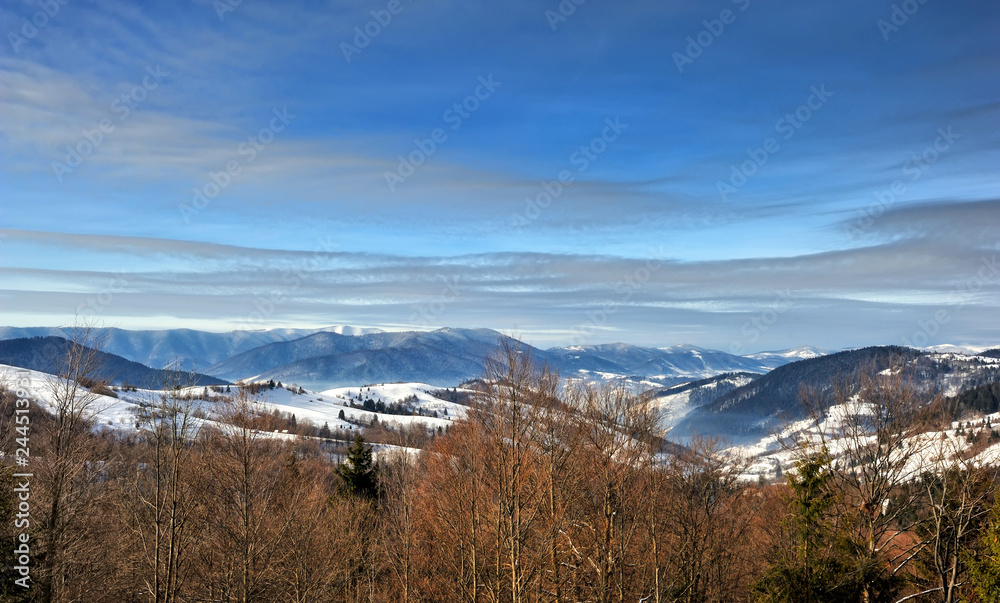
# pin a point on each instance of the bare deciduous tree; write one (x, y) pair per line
(65, 468)
(873, 431)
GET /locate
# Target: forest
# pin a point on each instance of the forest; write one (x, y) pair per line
(547, 491)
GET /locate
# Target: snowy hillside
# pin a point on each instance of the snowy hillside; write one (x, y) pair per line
(318, 407)
(770, 457)
(674, 403)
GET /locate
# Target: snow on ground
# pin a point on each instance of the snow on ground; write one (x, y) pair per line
(930, 450)
(799, 353)
(112, 412)
(672, 408)
(340, 397)
(318, 407)
(965, 350)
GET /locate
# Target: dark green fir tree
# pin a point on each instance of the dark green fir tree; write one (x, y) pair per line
(359, 471)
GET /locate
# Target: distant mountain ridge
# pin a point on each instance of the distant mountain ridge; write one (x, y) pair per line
(622, 358)
(780, 357)
(675, 403)
(45, 354)
(696, 390)
(447, 356)
(344, 355)
(443, 357)
(750, 411)
(195, 349)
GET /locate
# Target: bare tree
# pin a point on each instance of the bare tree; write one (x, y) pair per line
(455, 502)
(707, 513)
(506, 410)
(958, 492)
(67, 470)
(398, 522)
(244, 485)
(163, 491)
(557, 435)
(873, 430)
(619, 438)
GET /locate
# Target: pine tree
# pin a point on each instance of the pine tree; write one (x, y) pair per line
(984, 566)
(812, 573)
(359, 472)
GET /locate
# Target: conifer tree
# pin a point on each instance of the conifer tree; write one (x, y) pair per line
(984, 566)
(359, 472)
(813, 573)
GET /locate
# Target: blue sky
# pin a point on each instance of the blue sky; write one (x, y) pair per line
(744, 175)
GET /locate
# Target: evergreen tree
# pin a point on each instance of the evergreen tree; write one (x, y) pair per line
(341, 415)
(812, 573)
(984, 566)
(359, 472)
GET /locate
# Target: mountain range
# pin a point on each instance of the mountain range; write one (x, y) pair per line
(341, 356)
(697, 391)
(195, 349)
(46, 354)
(753, 409)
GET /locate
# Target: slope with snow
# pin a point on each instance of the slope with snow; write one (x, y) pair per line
(675, 403)
(318, 407)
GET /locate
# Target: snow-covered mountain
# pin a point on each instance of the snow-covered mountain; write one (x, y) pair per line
(195, 349)
(751, 411)
(47, 354)
(678, 361)
(676, 402)
(345, 355)
(780, 357)
(323, 360)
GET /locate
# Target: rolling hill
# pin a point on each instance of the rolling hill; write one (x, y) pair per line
(44, 354)
(752, 410)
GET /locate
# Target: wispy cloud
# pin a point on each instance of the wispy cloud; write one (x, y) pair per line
(310, 218)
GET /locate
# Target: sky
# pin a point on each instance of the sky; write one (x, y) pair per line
(743, 175)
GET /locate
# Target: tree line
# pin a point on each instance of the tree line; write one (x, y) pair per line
(546, 492)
